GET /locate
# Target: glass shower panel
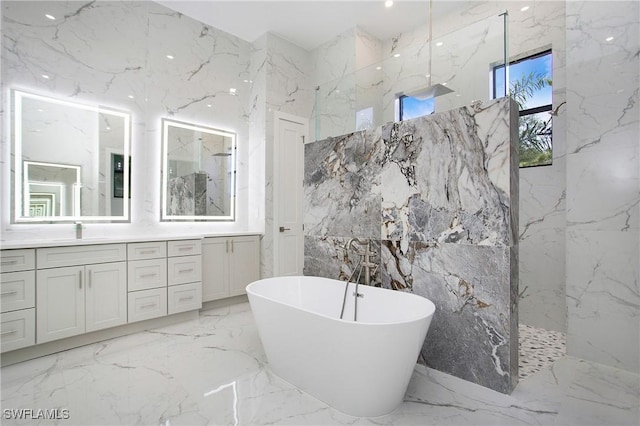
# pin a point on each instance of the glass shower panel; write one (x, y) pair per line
(368, 97)
(463, 61)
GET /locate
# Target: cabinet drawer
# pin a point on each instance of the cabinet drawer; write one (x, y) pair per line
(184, 297)
(147, 304)
(17, 260)
(146, 274)
(184, 269)
(18, 290)
(18, 329)
(150, 250)
(53, 257)
(184, 247)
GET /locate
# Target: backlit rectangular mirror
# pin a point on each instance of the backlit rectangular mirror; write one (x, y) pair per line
(198, 172)
(63, 160)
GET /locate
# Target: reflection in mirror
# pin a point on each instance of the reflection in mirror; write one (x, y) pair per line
(198, 172)
(63, 151)
(51, 189)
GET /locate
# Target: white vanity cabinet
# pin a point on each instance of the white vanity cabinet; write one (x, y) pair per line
(80, 289)
(56, 296)
(184, 265)
(17, 299)
(229, 265)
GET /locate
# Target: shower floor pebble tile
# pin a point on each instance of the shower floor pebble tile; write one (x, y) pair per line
(538, 349)
(212, 370)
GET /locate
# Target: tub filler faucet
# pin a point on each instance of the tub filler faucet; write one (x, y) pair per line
(365, 263)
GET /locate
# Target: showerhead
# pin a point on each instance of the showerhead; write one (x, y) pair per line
(430, 92)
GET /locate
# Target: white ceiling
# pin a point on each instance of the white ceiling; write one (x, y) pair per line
(309, 23)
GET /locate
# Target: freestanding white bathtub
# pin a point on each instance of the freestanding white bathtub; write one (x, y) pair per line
(361, 368)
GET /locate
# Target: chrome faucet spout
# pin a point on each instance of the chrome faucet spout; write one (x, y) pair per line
(365, 263)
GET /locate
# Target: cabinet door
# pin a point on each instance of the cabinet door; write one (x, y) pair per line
(244, 263)
(106, 295)
(59, 303)
(215, 271)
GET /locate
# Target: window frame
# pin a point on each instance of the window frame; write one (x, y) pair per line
(527, 111)
(401, 107)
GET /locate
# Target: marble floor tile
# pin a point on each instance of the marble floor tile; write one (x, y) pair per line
(213, 371)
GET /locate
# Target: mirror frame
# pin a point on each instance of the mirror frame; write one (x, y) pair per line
(18, 174)
(166, 124)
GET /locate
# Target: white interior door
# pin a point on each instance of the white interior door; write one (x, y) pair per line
(291, 133)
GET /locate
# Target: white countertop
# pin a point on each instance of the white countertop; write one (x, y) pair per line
(61, 242)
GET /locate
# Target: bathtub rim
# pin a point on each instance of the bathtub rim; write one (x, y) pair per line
(432, 306)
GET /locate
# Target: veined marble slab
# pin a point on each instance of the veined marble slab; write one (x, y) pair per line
(437, 196)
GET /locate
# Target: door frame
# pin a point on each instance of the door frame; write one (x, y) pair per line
(279, 116)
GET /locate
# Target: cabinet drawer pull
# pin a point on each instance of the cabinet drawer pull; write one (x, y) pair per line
(9, 262)
(184, 299)
(80, 279)
(4, 333)
(226, 244)
(184, 271)
(149, 275)
(7, 293)
(231, 246)
(147, 251)
(148, 305)
(188, 248)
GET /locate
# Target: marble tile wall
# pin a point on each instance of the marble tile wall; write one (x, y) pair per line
(114, 53)
(437, 198)
(603, 190)
(281, 81)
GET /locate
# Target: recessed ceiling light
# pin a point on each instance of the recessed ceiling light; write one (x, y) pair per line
(609, 39)
(388, 3)
(397, 55)
(169, 56)
(428, 75)
(208, 105)
(378, 68)
(232, 91)
(130, 96)
(439, 43)
(53, 18)
(46, 77)
(524, 9)
(444, 84)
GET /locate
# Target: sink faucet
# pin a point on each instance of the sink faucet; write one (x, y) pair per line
(78, 230)
(366, 257)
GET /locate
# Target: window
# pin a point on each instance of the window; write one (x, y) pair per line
(530, 82)
(411, 107)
